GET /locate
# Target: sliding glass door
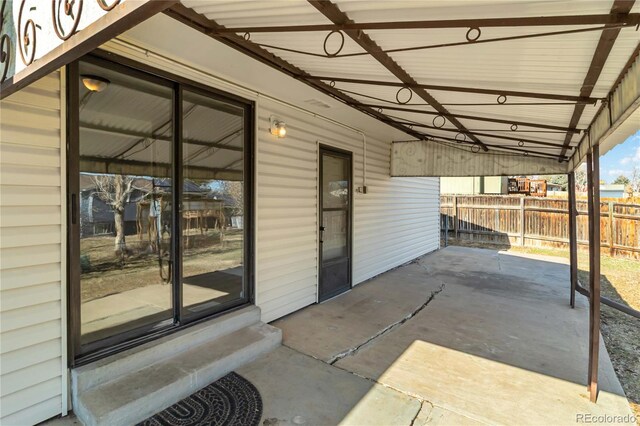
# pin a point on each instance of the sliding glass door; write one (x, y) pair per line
(158, 178)
(212, 235)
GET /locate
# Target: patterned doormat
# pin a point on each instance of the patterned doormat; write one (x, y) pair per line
(231, 400)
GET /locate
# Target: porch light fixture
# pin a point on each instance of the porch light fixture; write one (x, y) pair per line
(95, 83)
(278, 128)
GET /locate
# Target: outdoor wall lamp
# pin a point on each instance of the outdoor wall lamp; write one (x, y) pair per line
(95, 83)
(278, 127)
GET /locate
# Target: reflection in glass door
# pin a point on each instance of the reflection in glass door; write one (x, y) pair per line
(212, 204)
(335, 222)
(125, 192)
(159, 184)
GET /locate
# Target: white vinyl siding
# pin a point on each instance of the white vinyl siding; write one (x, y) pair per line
(395, 222)
(32, 318)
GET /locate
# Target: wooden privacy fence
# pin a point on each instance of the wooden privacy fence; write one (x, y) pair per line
(528, 221)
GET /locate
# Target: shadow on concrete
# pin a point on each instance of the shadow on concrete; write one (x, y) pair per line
(497, 343)
(471, 233)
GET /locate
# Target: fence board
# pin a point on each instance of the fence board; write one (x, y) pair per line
(500, 219)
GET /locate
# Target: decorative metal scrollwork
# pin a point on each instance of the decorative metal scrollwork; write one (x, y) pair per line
(66, 16)
(400, 91)
(444, 121)
(5, 56)
(27, 37)
(514, 127)
(521, 143)
(475, 148)
(501, 99)
(326, 39)
(464, 137)
(106, 6)
(471, 33)
(5, 46)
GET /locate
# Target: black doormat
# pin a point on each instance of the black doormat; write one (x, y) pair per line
(231, 400)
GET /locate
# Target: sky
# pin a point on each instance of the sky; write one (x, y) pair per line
(621, 159)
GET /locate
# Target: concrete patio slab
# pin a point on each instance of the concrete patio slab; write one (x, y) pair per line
(327, 330)
(434, 415)
(497, 345)
(459, 337)
(297, 389)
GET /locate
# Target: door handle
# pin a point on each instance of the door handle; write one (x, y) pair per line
(321, 230)
(74, 209)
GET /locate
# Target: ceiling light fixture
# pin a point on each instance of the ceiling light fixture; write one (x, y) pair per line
(95, 83)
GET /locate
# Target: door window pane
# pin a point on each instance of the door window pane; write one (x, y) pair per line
(212, 204)
(334, 236)
(125, 208)
(335, 182)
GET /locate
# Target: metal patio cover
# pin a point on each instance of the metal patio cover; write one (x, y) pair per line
(479, 87)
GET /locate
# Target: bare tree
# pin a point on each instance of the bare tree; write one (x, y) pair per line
(635, 179)
(233, 189)
(114, 190)
(581, 179)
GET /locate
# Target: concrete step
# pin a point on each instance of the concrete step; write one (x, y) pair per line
(133, 397)
(132, 360)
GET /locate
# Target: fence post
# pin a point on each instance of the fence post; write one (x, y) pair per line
(611, 228)
(522, 221)
(455, 216)
(446, 230)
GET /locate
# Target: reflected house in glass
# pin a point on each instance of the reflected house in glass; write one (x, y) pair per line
(145, 203)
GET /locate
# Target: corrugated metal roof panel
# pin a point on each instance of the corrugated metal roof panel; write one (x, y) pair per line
(253, 12)
(372, 11)
(554, 64)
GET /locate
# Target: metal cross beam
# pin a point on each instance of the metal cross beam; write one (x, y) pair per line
(489, 135)
(520, 150)
(496, 92)
(533, 21)
(335, 15)
(605, 44)
(452, 117)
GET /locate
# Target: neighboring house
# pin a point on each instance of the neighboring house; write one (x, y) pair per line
(612, 191)
(474, 185)
(527, 186)
(96, 216)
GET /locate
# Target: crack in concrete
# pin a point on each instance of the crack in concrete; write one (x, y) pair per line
(354, 350)
(417, 413)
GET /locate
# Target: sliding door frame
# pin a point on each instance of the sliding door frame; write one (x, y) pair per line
(178, 84)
